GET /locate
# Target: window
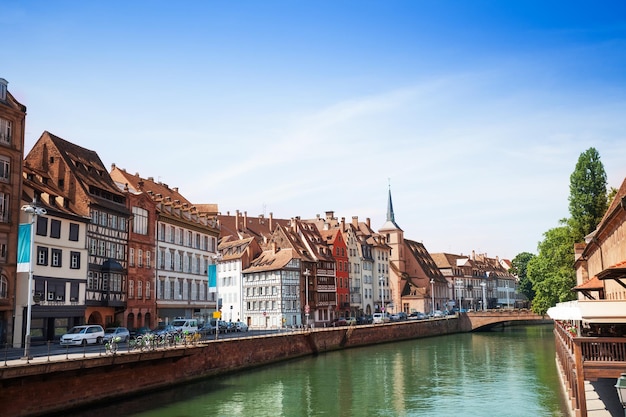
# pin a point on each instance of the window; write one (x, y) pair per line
(161, 232)
(5, 129)
(3, 247)
(140, 221)
(55, 229)
(139, 290)
(5, 169)
(74, 260)
(147, 290)
(4, 208)
(74, 228)
(56, 258)
(131, 257)
(148, 264)
(74, 291)
(42, 226)
(131, 289)
(42, 255)
(3, 89)
(4, 287)
(140, 258)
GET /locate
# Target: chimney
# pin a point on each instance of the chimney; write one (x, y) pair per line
(245, 220)
(343, 224)
(140, 185)
(367, 221)
(271, 222)
(355, 221)
(273, 247)
(175, 189)
(473, 255)
(329, 215)
(237, 220)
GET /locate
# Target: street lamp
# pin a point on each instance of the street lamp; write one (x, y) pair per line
(459, 284)
(506, 284)
(34, 211)
(484, 285)
(381, 280)
(432, 295)
(307, 309)
(620, 386)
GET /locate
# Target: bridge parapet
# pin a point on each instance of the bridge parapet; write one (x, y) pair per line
(490, 318)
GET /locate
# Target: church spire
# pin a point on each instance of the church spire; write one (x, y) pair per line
(390, 223)
(390, 216)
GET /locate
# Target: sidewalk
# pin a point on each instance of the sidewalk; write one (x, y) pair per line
(602, 400)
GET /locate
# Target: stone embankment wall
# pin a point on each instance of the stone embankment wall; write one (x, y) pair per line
(41, 388)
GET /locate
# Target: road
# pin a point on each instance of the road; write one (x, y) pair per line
(54, 349)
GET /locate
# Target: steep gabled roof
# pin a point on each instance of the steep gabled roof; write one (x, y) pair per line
(270, 260)
(424, 259)
(85, 164)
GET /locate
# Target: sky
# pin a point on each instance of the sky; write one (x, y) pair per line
(473, 113)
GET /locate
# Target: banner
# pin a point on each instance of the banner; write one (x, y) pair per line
(24, 251)
(213, 278)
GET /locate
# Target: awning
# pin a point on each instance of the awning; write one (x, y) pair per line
(596, 311)
(594, 284)
(565, 311)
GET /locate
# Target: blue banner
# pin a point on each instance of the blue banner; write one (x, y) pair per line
(24, 250)
(213, 278)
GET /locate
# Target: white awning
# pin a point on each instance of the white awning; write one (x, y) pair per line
(565, 311)
(591, 311)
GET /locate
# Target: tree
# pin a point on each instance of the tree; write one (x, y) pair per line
(519, 266)
(551, 272)
(588, 195)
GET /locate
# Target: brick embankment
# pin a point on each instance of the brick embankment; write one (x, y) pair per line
(42, 387)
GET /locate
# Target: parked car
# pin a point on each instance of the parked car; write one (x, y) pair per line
(437, 314)
(417, 315)
(400, 316)
(140, 331)
(351, 321)
(367, 319)
(83, 335)
(121, 332)
(380, 318)
(164, 329)
(241, 327)
(339, 322)
(185, 325)
(206, 329)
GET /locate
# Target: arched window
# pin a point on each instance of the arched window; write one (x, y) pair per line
(4, 287)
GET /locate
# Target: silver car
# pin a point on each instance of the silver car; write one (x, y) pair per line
(121, 332)
(83, 335)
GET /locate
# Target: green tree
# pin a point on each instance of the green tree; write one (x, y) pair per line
(551, 272)
(519, 268)
(587, 194)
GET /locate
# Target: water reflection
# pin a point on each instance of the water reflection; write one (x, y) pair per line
(510, 373)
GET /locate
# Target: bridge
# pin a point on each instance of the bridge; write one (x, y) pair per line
(483, 320)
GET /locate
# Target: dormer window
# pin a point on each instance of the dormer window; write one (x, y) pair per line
(3, 89)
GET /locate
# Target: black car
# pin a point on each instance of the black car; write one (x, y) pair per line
(364, 320)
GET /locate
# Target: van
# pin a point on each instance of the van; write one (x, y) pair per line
(380, 318)
(185, 325)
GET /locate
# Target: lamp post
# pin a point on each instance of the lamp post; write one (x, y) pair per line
(484, 285)
(381, 280)
(307, 309)
(34, 211)
(506, 284)
(620, 386)
(459, 285)
(432, 295)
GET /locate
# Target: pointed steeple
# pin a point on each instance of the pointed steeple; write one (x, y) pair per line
(390, 216)
(390, 224)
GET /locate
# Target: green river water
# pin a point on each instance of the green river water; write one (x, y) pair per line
(507, 373)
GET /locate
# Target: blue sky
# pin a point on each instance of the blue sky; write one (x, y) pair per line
(474, 111)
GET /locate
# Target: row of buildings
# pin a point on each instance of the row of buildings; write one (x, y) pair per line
(111, 247)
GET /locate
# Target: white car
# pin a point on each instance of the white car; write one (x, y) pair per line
(83, 335)
(380, 318)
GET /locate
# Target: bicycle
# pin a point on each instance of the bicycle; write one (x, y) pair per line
(110, 347)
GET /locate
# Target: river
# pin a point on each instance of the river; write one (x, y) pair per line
(507, 373)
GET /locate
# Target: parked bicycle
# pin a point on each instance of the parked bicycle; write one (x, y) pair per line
(111, 346)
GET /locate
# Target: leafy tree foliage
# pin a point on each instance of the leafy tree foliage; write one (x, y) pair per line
(551, 272)
(519, 268)
(588, 195)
